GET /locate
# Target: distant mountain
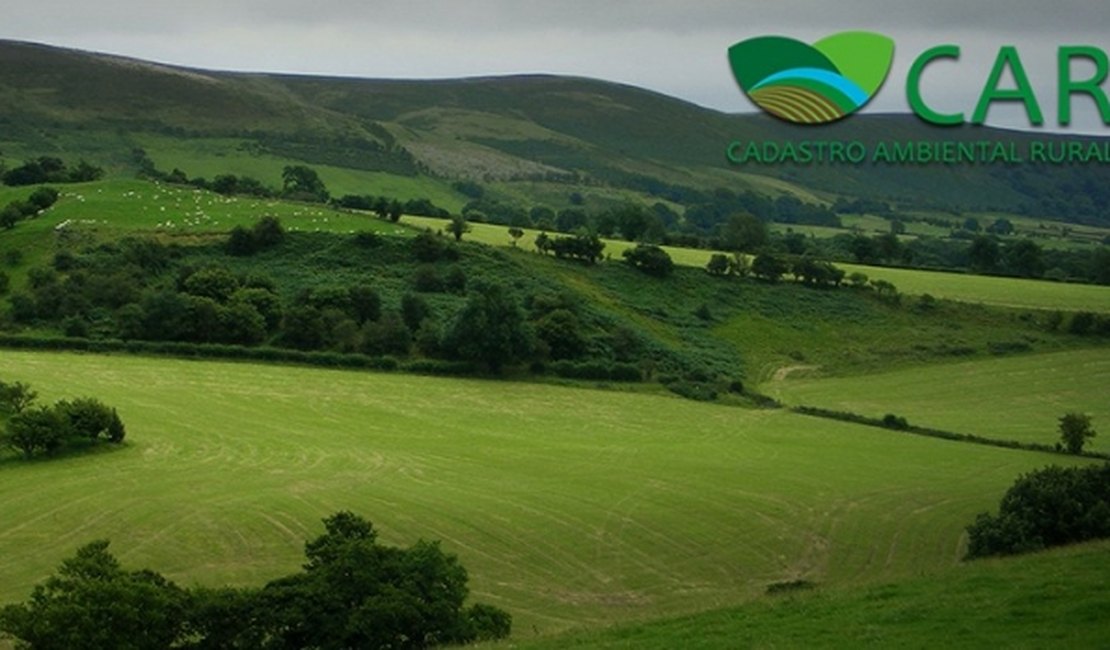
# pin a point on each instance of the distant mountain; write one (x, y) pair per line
(520, 128)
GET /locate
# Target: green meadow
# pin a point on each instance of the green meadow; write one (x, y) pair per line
(1049, 600)
(1016, 398)
(1017, 293)
(570, 507)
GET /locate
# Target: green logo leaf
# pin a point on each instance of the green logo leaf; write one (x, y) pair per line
(812, 84)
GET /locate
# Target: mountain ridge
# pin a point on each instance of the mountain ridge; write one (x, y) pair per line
(523, 127)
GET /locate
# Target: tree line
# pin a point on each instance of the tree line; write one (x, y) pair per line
(141, 289)
(353, 592)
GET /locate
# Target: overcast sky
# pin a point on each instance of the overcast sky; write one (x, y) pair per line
(678, 48)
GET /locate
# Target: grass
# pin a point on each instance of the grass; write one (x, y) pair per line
(1003, 292)
(570, 507)
(1016, 398)
(1049, 600)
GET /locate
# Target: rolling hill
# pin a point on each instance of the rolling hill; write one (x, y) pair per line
(563, 133)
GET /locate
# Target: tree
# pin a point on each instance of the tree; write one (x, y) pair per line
(414, 310)
(303, 184)
(490, 329)
(389, 335)
(365, 303)
(92, 604)
(268, 232)
(1023, 257)
(356, 593)
(744, 232)
(718, 265)
(1049, 507)
(458, 227)
(10, 215)
(983, 254)
(39, 429)
(15, 397)
(87, 417)
(562, 333)
(215, 282)
(240, 242)
(395, 211)
(651, 260)
(768, 267)
(516, 233)
(543, 243)
(1075, 430)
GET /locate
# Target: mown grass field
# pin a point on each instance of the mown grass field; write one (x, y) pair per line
(570, 507)
(1004, 292)
(1015, 398)
(1049, 600)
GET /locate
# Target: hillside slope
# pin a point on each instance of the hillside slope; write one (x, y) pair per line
(568, 131)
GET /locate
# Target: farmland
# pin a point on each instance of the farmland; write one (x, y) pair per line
(1018, 398)
(570, 507)
(1050, 600)
(997, 291)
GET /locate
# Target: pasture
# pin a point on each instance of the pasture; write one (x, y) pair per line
(1049, 600)
(1017, 293)
(1015, 398)
(570, 507)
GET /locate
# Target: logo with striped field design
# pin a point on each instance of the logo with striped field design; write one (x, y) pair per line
(812, 84)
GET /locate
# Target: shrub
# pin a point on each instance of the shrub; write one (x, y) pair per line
(1045, 508)
(651, 260)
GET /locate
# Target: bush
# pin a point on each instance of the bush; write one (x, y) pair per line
(898, 423)
(651, 260)
(1045, 508)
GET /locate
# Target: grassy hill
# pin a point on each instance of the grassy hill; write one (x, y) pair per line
(575, 133)
(569, 507)
(1027, 394)
(1050, 600)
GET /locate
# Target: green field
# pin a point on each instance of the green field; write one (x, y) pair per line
(570, 507)
(1016, 398)
(1003, 292)
(1049, 600)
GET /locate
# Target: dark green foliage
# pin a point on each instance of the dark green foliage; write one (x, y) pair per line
(43, 198)
(90, 418)
(364, 304)
(265, 234)
(35, 430)
(768, 267)
(983, 254)
(388, 335)
(649, 259)
(414, 310)
(896, 422)
(51, 170)
(743, 232)
(1048, 507)
(718, 265)
(816, 273)
(302, 183)
(429, 247)
(352, 593)
(303, 328)
(215, 282)
(1075, 430)
(584, 247)
(458, 227)
(93, 604)
(490, 330)
(15, 397)
(561, 332)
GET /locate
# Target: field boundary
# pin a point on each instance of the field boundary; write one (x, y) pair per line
(897, 424)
